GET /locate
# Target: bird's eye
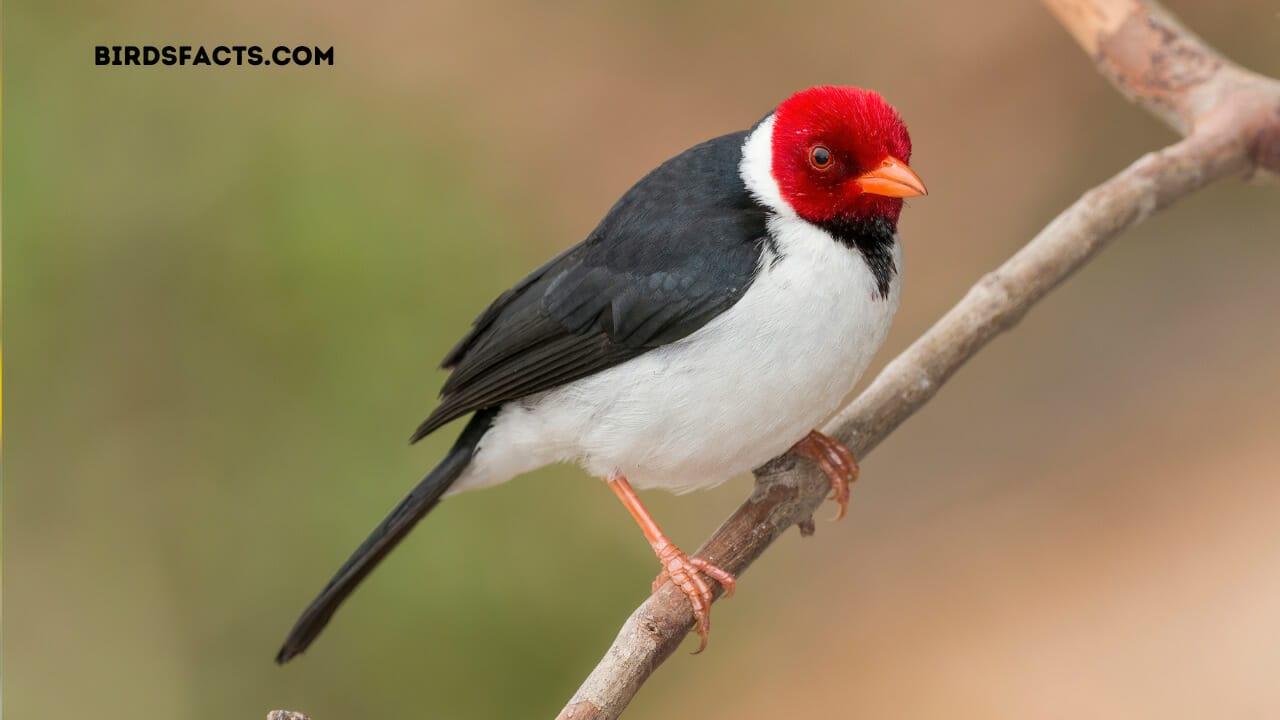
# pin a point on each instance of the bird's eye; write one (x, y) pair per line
(820, 157)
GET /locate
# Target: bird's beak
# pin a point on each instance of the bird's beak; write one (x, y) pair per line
(892, 179)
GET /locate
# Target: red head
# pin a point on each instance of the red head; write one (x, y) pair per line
(840, 153)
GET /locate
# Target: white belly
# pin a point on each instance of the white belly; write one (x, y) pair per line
(724, 400)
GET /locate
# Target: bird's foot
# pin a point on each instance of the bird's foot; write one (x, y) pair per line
(683, 571)
(686, 574)
(835, 461)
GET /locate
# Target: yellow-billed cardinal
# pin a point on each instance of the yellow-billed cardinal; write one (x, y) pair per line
(722, 309)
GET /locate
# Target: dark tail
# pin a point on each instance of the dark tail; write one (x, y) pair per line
(386, 536)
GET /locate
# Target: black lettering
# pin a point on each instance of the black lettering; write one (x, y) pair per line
(149, 55)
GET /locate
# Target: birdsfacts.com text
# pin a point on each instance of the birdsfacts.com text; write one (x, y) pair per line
(256, 55)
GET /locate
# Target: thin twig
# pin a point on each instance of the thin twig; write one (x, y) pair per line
(1231, 120)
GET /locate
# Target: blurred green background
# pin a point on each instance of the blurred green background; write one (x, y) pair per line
(227, 289)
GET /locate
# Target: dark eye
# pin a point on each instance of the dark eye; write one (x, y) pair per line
(820, 157)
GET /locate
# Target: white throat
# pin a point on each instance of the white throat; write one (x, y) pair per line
(756, 169)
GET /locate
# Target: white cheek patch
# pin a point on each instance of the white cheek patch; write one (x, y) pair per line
(756, 168)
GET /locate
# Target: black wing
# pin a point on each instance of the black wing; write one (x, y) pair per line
(678, 249)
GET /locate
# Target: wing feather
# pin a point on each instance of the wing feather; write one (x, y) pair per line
(663, 263)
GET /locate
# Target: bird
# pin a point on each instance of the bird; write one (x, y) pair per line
(720, 312)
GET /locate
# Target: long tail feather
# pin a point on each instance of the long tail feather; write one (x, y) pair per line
(389, 533)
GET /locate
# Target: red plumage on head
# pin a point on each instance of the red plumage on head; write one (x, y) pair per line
(859, 129)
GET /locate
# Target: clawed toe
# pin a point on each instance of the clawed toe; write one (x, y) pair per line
(683, 571)
(835, 461)
(686, 574)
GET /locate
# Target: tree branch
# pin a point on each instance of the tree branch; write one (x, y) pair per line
(1230, 118)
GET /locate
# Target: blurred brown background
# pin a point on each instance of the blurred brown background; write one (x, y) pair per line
(227, 289)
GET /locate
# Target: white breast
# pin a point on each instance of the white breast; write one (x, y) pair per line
(727, 398)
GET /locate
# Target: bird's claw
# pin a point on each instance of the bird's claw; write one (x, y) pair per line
(686, 574)
(835, 461)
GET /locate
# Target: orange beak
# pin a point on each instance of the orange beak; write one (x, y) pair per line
(892, 179)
